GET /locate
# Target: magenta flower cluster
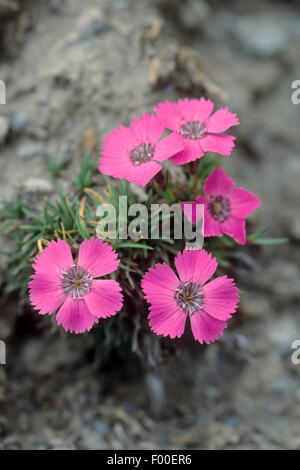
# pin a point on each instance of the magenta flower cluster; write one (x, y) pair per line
(135, 152)
(73, 289)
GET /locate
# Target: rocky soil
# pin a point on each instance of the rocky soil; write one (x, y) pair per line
(73, 71)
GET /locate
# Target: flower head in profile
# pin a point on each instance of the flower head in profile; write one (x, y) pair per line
(225, 207)
(72, 289)
(134, 153)
(174, 299)
(200, 130)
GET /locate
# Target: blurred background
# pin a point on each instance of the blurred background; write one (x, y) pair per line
(73, 71)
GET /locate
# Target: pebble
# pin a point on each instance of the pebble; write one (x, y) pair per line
(19, 121)
(156, 394)
(233, 421)
(31, 149)
(221, 436)
(92, 440)
(38, 185)
(260, 34)
(102, 428)
(193, 15)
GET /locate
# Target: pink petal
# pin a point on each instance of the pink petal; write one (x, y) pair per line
(195, 109)
(104, 299)
(218, 183)
(139, 174)
(46, 293)
(142, 174)
(97, 257)
(167, 322)
(191, 152)
(221, 120)
(115, 160)
(219, 143)
(173, 115)
(235, 228)
(74, 316)
(221, 298)
(201, 200)
(243, 202)
(194, 210)
(206, 328)
(212, 228)
(118, 166)
(169, 115)
(56, 258)
(195, 265)
(168, 147)
(119, 141)
(159, 285)
(147, 128)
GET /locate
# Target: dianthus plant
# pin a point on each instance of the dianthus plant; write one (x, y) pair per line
(88, 267)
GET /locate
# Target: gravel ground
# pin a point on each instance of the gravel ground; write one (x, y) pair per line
(72, 74)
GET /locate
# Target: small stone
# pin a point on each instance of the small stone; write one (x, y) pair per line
(194, 15)
(38, 185)
(92, 440)
(282, 334)
(102, 428)
(294, 443)
(31, 149)
(18, 121)
(156, 394)
(130, 407)
(260, 34)
(233, 421)
(221, 436)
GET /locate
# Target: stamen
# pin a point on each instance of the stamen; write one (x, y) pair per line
(189, 297)
(142, 154)
(76, 282)
(219, 208)
(193, 130)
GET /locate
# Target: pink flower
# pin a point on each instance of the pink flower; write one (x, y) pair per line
(225, 207)
(73, 289)
(200, 130)
(135, 152)
(173, 299)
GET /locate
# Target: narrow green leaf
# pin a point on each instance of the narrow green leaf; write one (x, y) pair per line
(135, 245)
(270, 241)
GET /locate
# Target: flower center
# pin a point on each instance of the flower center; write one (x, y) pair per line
(219, 208)
(189, 297)
(76, 282)
(142, 154)
(193, 130)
